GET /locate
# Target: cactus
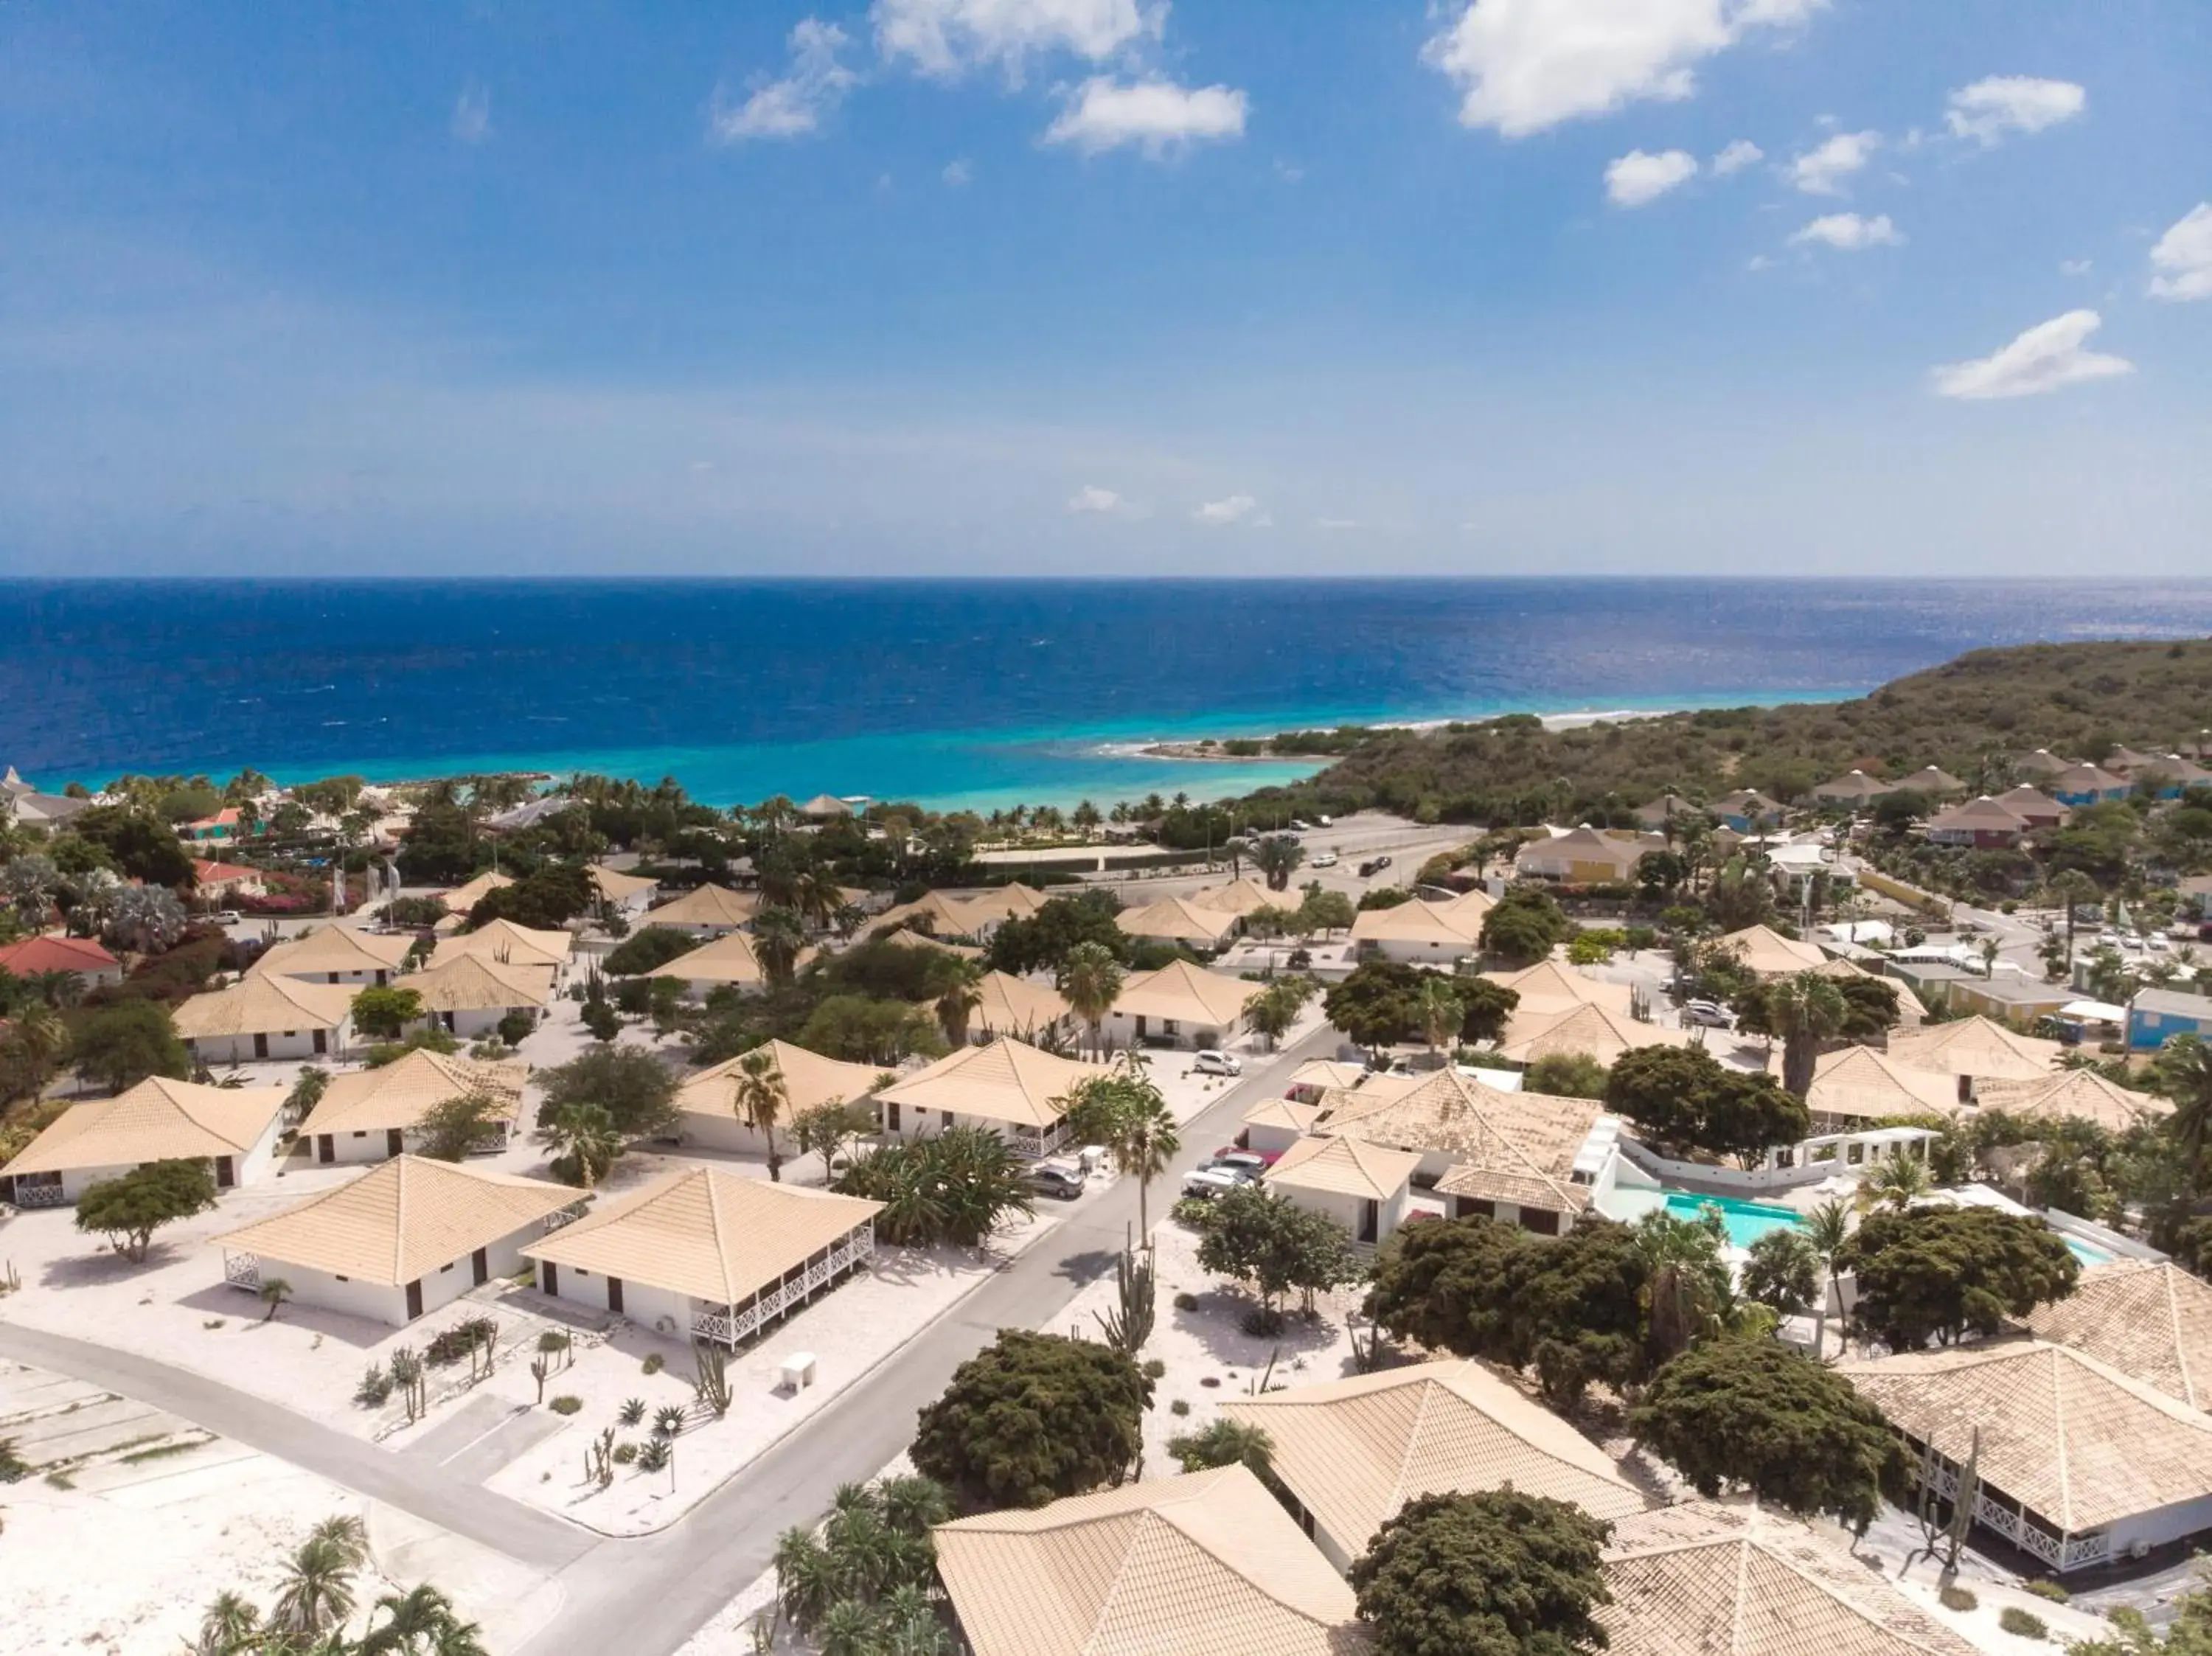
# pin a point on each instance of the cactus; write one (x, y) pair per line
(1367, 1354)
(1130, 1323)
(541, 1369)
(599, 1459)
(413, 1380)
(711, 1376)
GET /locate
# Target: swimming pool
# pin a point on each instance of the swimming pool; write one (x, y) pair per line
(2088, 1254)
(1744, 1222)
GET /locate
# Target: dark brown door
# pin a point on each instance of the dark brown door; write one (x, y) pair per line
(322, 1040)
(614, 1293)
(414, 1299)
(326, 1148)
(1371, 1220)
(226, 1173)
(261, 1046)
(394, 1142)
(1542, 1221)
(480, 1266)
(891, 1119)
(550, 1274)
(1465, 1207)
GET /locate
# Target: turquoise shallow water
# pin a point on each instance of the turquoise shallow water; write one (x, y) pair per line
(1744, 1222)
(954, 692)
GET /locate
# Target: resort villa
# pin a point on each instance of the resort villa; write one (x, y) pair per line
(335, 954)
(710, 1116)
(267, 1014)
(1590, 1029)
(1008, 1086)
(372, 1115)
(1179, 921)
(705, 1255)
(469, 996)
(1584, 856)
(1180, 1005)
(92, 966)
(1365, 1188)
(404, 1239)
(1009, 1005)
(1418, 933)
(713, 911)
(232, 1129)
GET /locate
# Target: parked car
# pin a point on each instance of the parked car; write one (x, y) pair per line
(1369, 869)
(1058, 1179)
(1248, 1164)
(1325, 822)
(1711, 1013)
(1299, 825)
(1383, 861)
(1210, 1182)
(1210, 1061)
(227, 917)
(1326, 859)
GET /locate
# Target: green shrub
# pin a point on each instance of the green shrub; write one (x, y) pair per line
(653, 1363)
(625, 1453)
(1956, 1599)
(463, 1337)
(2051, 1589)
(2014, 1620)
(1180, 1406)
(565, 1404)
(1154, 1368)
(375, 1386)
(1185, 1301)
(1191, 1212)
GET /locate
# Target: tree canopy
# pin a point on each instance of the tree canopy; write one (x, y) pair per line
(120, 1046)
(1278, 1247)
(130, 1207)
(630, 1083)
(1683, 1096)
(1942, 1273)
(1493, 1573)
(1033, 1417)
(1753, 1414)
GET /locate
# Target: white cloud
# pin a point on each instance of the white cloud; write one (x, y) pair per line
(958, 173)
(1848, 232)
(943, 38)
(1525, 65)
(1737, 156)
(798, 104)
(2074, 267)
(1821, 172)
(2183, 256)
(1758, 261)
(2047, 356)
(1091, 501)
(1637, 179)
(472, 113)
(1236, 509)
(1991, 109)
(1157, 116)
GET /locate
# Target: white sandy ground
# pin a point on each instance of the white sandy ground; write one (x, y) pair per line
(124, 1562)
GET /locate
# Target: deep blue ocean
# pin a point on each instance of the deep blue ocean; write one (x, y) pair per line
(978, 693)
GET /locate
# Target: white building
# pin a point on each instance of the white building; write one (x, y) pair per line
(267, 1015)
(1180, 1005)
(1011, 1088)
(401, 1240)
(703, 1254)
(469, 996)
(1424, 934)
(712, 910)
(336, 954)
(371, 1115)
(708, 1108)
(232, 1129)
(1364, 1188)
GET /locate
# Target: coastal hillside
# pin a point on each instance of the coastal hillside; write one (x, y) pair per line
(2082, 701)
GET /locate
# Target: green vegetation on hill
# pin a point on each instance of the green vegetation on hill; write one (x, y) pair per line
(1969, 716)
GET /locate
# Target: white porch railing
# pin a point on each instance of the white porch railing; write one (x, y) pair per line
(728, 1325)
(1038, 1141)
(242, 1270)
(2061, 1552)
(40, 1196)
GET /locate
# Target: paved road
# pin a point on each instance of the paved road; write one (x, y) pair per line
(645, 1597)
(423, 1488)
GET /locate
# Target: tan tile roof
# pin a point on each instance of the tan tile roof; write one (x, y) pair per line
(508, 944)
(1504, 1146)
(921, 940)
(1205, 1564)
(1173, 917)
(1909, 1005)
(1548, 986)
(477, 983)
(1975, 1046)
(403, 1220)
(727, 959)
(2080, 1443)
(463, 898)
(1857, 1081)
(1007, 1080)
(1600, 1031)
(1355, 1451)
(1011, 901)
(270, 1004)
(157, 1120)
(1705, 1578)
(955, 917)
(1323, 1072)
(706, 904)
(1016, 1006)
(2081, 1092)
(810, 1080)
(1769, 954)
(1455, 923)
(1855, 786)
(1240, 897)
(1932, 778)
(712, 1236)
(334, 948)
(614, 885)
(401, 1093)
(1189, 994)
(1283, 1113)
(2153, 1322)
(1344, 1166)
(1989, 816)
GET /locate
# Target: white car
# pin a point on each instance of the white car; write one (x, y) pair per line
(1327, 859)
(1711, 1014)
(1209, 1062)
(2156, 944)
(1325, 822)
(1299, 825)
(1210, 1182)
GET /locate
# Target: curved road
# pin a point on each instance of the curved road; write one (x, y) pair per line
(647, 1595)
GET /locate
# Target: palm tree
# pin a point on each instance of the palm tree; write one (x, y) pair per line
(272, 1293)
(2185, 1068)
(58, 991)
(420, 1622)
(583, 1135)
(1804, 1010)
(1125, 1112)
(1899, 1182)
(348, 1534)
(1826, 1227)
(778, 935)
(317, 1591)
(762, 1098)
(2068, 888)
(1090, 979)
(1278, 856)
(1272, 1010)
(1689, 1289)
(959, 984)
(230, 1626)
(1441, 1010)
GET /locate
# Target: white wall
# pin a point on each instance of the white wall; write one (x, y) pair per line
(711, 1130)
(643, 1304)
(379, 1302)
(475, 1024)
(1418, 954)
(2162, 1524)
(1346, 1210)
(347, 1148)
(373, 977)
(1271, 1141)
(215, 1050)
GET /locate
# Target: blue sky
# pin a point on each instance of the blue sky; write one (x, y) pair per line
(1108, 287)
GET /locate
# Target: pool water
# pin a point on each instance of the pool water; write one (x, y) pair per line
(1744, 1222)
(2088, 1254)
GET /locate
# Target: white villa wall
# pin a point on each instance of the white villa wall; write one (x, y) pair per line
(655, 1308)
(1389, 1214)
(1182, 1034)
(378, 1302)
(926, 1123)
(2161, 1525)
(371, 977)
(476, 1023)
(1270, 1141)
(1413, 953)
(711, 1130)
(215, 1050)
(347, 1148)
